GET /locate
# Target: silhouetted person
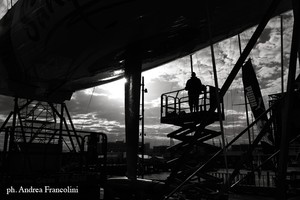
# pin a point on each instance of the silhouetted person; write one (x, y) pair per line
(194, 87)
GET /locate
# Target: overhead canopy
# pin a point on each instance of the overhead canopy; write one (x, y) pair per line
(49, 49)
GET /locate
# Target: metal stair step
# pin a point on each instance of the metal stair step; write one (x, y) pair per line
(180, 130)
(209, 134)
(39, 121)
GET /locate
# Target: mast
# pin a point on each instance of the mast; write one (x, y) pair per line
(217, 90)
(191, 59)
(245, 98)
(281, 42)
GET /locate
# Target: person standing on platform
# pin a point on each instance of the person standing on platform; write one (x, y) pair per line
(194, 87)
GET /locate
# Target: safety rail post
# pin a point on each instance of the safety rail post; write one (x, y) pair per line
(174, 104)
(167, 105)
(161, 105)
(205, 98)
(104, 149)
(81, 153)
(268, 178)
(179, 105)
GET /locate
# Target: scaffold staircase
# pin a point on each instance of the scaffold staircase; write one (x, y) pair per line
(191, 151)
(195, 163)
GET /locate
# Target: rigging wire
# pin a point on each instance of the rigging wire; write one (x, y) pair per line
(232, 117)
(172, 83)
(178, 73)
(88, 106)
(230, 55)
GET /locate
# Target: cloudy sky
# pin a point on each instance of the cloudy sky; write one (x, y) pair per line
(102, 108)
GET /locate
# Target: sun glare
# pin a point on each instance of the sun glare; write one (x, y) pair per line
(115, 89)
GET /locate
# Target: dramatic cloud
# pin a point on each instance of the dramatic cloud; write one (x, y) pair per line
(102, 108)
(3, 8)
(5, 5)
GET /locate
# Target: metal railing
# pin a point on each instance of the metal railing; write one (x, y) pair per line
(54, 144)
(257, 179)
(176, 102)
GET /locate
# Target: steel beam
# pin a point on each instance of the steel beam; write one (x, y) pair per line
(72, 126)
(133, 64)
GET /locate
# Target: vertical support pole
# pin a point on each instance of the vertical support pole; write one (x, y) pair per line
(287, 108)
(162, 106)
(104, 150)
(143, 123)
(167, 105)
(133, 70)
